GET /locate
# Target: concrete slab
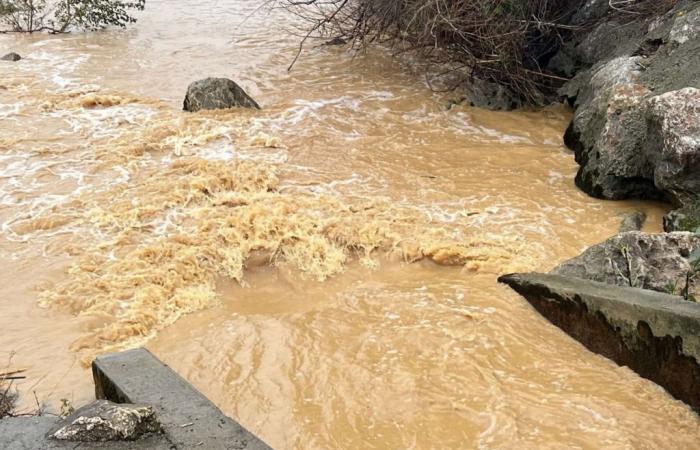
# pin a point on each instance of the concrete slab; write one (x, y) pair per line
(655, 334)
(188, 418)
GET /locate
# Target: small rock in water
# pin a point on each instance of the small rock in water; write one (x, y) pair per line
(490, 95)
(633, 222)
(216, 93)
(11, 57)
(103, 420)
(336, 41)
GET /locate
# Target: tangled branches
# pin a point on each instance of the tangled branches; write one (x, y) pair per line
(7, 400)
(8, 396)
(502, 41)
(507, 42)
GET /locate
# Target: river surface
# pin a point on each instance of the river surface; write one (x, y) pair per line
(324, 270)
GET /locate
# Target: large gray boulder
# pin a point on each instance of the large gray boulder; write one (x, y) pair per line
(636, 127)
(216, 93)
(606, 132)
(13, 57)
(649, 261)
(673, 142)
(103, 420)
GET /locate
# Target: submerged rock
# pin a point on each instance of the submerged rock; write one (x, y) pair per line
(336, 41)
(649, 261)
(633, 222)
(489, 95)
(103, 420)
(11, 57)
(216, 93)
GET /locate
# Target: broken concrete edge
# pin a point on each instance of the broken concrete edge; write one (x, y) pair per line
(29, 433)
(657, 335)
(187, 417)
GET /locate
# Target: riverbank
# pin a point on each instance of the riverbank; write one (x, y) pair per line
(635, 133)
(384, 353)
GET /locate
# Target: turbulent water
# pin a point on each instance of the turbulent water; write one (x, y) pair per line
(324, 269)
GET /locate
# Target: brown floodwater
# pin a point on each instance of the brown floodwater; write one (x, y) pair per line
(325, 269)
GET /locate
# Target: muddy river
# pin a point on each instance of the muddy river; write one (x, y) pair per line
(324, 270)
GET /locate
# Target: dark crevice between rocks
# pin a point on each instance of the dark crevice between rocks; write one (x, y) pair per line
(589, 181)
(572, 138)
(648, 47)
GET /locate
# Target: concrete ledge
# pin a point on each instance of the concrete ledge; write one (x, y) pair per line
(657, 335)
(188, 419)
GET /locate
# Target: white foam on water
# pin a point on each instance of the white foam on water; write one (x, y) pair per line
(102, 122)
(57, 68)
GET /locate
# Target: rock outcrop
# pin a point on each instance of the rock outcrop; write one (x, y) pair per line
(216, 93)
(13, 57)
(686, 218)
(103, 421)
(635, 259)
(636, 93)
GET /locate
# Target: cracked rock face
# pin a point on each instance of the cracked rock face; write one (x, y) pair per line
(106, 421)
(636, 127)
(649, 261)
(673, 122)
(216, 93)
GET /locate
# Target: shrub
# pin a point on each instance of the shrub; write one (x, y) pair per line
(59, 16)
(503, 41)
(508, 42)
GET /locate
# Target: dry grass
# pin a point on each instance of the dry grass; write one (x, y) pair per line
(8, 394)
(8, 398)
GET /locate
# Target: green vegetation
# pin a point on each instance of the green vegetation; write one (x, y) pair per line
(694, 261)
(62, 16)
(686, 218)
